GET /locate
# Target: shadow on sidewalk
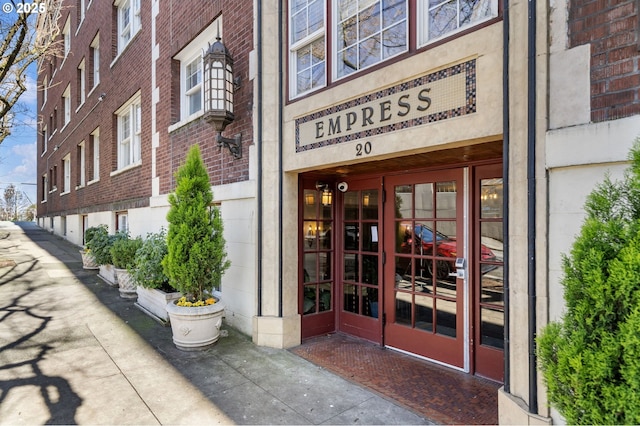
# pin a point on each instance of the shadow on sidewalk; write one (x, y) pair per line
(24, 325)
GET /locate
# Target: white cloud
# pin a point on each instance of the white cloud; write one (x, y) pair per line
(24, 161)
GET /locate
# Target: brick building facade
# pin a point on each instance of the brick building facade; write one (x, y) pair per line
(484, 136)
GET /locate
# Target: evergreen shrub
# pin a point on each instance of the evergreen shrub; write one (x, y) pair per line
(196, 255)
(591, 358)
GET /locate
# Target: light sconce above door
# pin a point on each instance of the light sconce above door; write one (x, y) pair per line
(327, 196)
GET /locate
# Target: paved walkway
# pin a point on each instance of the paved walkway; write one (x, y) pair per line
(73, 352)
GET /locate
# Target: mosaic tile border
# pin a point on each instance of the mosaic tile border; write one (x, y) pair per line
(469, 68)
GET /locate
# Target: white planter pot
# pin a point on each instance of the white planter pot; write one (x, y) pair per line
(126, 283)
(153, 302)
(88, 261)
(108, 274)
(195, 328)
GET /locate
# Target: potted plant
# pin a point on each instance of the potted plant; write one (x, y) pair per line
(100, 245)
(153, 287)
(196, 257)
(88, 259)
(123, 253)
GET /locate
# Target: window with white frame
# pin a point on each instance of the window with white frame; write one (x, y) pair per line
(81, 11)
(95, 56)
(122, 222)
(190, 57)
(193, 86)
(45, 90)
(308, 49)
(81, 83)
(82, 169)
(438, 19)
(66, 103)
(364, 33)
(66, 35)
(129, 21)
(45, 139)
(368, 32)
(66, 173)
(95, 154)
(45, 188)
(129, 133)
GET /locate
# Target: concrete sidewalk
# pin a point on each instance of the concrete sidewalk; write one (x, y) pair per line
(73, 352)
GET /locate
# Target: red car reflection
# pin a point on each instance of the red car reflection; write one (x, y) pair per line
(422, 239)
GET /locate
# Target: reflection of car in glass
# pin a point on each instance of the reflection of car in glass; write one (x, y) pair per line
(446, 246)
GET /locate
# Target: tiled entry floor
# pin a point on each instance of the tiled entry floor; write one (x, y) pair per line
(440, 394)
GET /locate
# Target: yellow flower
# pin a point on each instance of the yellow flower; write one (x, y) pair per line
(210, 301)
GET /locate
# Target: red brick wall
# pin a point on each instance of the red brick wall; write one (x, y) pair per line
(177, 24)
(186, 22)
(613, 30)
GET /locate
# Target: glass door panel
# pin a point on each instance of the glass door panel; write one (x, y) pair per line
(316, 263)
(488, 281)
(425, 304)
(361, 260)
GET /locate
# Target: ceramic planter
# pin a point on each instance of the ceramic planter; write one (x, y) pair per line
(108, 274)
(195, 328)
(88, 261)
(126, 284)
(153, 302)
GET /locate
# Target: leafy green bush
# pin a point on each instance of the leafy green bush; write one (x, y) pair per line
(591, 358)
(101, 243)
(147, 269)
(89, 233)
(123, 251)
(196, 257)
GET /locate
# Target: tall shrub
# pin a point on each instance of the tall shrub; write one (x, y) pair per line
(591, 358)
(196, 256)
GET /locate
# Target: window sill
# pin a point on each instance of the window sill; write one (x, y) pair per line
(43, 201)
(65, 193)
(79, 187)
(53, 190)
(79, 106)
(91, 182)
(126, 168)
(65, 126)
(185, 121)
(92, 89)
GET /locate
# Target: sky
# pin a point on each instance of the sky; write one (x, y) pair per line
(18, 152)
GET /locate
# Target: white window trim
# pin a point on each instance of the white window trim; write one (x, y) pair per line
(45, 189)
(66, 95)
(82, 165)
(45, 140)
(334, 47)
(422, 31)
(66, 174)
(132, 107)
(96, 156)
(95, 47)
(135, 22)
(83, 84)
(66, 36)
(45, 91)
(186, 56)
(293, 50)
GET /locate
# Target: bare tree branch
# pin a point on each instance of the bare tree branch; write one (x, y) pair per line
(28, 37)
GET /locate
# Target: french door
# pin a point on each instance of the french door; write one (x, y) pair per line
(424, 297)
(360, 259)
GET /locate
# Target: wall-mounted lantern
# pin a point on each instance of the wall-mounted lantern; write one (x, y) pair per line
(327, 196)
(219, 87)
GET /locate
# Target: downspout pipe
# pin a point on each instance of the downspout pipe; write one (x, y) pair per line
(280, 168)
(259, 140)
(505, 192)
(531, 214)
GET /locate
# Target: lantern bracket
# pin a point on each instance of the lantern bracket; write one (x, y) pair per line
(234, 144)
